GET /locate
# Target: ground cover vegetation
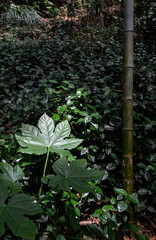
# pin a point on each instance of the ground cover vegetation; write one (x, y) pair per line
(61, 80)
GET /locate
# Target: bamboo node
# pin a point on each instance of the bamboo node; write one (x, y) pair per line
(128, 66)
(128, 30)
(132, 222)
(127, 129)
(128, 182)
(130, 99)
(128, 156)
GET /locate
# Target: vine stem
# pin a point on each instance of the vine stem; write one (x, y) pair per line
(44, 171)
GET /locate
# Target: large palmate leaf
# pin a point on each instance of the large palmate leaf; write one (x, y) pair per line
(36, 140)
(10, 177)
(74, 175)
(12, 214)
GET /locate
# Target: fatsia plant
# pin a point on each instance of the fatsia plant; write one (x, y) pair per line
(10, 176)
(14, 205)
(74, 175)
(44, 139)
(13, 211)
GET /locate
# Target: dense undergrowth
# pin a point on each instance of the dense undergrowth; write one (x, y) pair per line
(74, 73)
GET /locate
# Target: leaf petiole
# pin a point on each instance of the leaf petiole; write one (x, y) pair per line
(44, 171)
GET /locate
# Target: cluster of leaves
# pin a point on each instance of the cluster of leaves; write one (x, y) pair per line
(77, 77)
(27, 12)
(144, 125)
(22, 14)
(15, 205)
(71, 174)
(109, 222)
(97, 72)
(104, 13)
(145, 18)
(29, 64)
(74, 176)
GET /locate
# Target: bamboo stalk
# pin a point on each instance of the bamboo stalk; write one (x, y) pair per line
(127, 128)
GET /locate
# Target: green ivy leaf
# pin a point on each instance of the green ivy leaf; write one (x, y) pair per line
(120, 191)
(122, 206)
(10, 177)
(143, 191)
(77, 211)
(74, 175)
(107, 208)
(12, 214)
(133, 198)
(36, 140)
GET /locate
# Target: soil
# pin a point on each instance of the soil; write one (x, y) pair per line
(147, 226)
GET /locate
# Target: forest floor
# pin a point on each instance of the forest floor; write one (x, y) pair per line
(146, 225)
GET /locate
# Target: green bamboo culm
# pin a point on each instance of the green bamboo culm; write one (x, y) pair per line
(127, 128)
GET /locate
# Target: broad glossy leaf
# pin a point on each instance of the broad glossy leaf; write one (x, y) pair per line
(120, 191)
(122, 206)
(36, 140)
(10, 177)
(133, 198)
(46, 126)
(107, 208)
(151, 209)
(143, 191)
(74, 175)
(62, 131)
(13, 214)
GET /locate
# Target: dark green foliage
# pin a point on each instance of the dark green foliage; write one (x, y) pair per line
(75, 176)
(75, 74)
(10, 176)
(14, 205)
(40, 66)
(145, 14)
(27, 11)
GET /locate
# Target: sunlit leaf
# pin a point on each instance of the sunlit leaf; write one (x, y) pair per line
(122, 206)
(36, 140)
(120, 191)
